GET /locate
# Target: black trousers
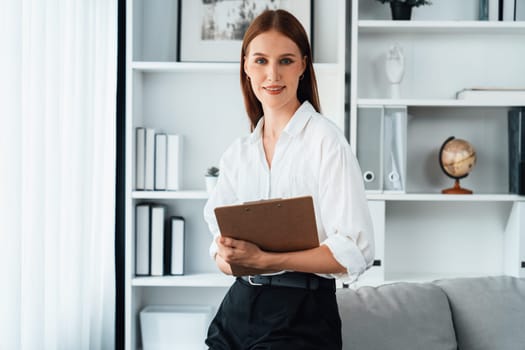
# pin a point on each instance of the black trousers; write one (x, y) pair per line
(263, 317)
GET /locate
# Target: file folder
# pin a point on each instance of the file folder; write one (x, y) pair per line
(370, 146)
(395, 149)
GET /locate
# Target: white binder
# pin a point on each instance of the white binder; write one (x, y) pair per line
(395, 149)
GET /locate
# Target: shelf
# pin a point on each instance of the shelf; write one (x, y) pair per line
(193, 194)
(427, 197)
(435, 103)
(210, 67)
(443, 27)
(437, 197)
(192, 280)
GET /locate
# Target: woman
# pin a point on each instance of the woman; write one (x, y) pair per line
(292, 151)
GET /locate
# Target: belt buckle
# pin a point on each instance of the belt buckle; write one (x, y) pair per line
(253, 283)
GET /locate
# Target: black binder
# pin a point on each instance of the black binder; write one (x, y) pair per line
(516, 138)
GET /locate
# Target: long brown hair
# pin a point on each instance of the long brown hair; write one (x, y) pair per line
(285, 23)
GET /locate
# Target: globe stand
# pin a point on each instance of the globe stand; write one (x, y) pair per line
(457, 189)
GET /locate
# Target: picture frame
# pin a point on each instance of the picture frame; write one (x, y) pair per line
(212, 30)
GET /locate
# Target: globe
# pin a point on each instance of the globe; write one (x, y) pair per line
(457, 158)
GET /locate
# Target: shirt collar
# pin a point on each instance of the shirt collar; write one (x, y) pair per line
(296, 124)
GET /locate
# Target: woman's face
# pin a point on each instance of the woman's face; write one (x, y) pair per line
(274, 64)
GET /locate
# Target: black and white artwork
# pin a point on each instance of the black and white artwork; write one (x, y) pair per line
(212, 30)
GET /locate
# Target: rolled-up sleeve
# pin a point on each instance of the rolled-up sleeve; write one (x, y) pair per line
(222, 194)
(344, 210)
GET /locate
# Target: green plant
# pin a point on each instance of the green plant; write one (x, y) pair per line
(213, 171)
(415, 3)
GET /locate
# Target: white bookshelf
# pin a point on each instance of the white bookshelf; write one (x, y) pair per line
(423, 235)
(203, 103)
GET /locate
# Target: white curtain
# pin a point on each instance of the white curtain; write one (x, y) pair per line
(57, 173)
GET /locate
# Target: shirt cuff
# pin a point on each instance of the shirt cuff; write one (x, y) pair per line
(346, 253)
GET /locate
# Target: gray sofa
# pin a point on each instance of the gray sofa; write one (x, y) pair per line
(485, 313)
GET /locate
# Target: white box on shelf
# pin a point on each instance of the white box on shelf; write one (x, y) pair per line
(174, 326)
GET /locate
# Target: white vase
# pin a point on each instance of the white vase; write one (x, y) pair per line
(211, 181)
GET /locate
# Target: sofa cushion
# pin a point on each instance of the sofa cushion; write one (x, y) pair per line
(396, 316)
(488, 312)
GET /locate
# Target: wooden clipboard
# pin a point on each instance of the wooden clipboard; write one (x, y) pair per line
(276, 225)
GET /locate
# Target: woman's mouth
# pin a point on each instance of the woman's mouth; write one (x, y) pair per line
(274, 89)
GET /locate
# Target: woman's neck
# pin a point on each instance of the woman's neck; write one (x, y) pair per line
(275, 120)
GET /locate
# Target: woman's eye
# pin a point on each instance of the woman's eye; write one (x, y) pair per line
(260, 60)
(286, 61)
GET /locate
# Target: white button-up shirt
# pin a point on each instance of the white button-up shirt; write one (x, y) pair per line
(311, 157)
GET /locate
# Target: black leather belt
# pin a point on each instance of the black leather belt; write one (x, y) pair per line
(291, 279)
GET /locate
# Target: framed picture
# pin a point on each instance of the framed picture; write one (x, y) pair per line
(212, 30)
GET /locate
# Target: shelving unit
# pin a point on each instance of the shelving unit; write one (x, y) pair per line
(423, 235)
(203, 103)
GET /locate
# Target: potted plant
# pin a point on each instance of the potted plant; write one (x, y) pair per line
(212, 174)
(402, 9)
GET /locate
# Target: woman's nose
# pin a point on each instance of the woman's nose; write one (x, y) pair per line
(273, 73)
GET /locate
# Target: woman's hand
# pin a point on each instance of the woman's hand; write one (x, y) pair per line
(316, 260)
(237, 252)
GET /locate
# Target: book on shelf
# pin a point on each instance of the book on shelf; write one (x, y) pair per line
(516, 136)
(140, 156)
(508, 11)
(493, 11)
(502, 10)
(505, 95)
(160, 161)
(519, 10)
(174, 162)
(142, 240)
(149, 160)
(157, 239)
(175, 247)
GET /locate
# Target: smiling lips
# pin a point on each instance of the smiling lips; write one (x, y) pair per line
(273, 89)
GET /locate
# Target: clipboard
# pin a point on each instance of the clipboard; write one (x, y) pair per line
(275, 225)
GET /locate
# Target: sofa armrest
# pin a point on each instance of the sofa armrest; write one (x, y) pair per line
(488, 312)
